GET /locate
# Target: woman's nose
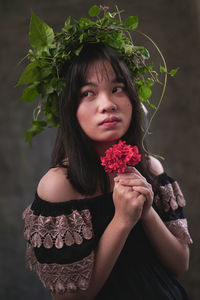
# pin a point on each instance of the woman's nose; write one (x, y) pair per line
(107, 104)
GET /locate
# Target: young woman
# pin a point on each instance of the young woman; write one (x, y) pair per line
(93, 235)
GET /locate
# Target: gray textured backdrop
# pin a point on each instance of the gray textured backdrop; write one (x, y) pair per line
(175, 25)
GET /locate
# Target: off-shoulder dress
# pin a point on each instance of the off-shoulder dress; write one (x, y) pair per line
(61, 240)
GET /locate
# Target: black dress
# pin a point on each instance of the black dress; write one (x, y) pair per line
(61, 238)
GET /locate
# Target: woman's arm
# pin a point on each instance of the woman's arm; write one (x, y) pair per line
(172, 252)
(106, 254)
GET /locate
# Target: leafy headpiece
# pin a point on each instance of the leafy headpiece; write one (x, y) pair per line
(50, 52)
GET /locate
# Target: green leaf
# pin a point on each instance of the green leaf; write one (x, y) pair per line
(39, 123)
(77, 51)
(131, 22)
(150, 67)
(145, 53)
(128, 49)
(37, 127)
(84, 22)
(173, 71)
(139, 83)
(142, 70)
(94, 11)
(149, 82)
(144, 93)
(45, 72)
(30, 74)
(29, 94)
(142, 51)
(82, 37)
(40, 34)
(51, 105)
(67, 24)
(51, 118)
(151, 105)
(58, 84)
(163, 69)
(54, 104)
(46, 89)
(114, 42)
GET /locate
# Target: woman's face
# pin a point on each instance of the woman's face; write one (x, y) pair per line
(104, 111)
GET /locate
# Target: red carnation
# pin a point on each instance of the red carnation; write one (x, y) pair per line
(119, 156)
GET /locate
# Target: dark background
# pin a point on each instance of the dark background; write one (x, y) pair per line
(175, 26)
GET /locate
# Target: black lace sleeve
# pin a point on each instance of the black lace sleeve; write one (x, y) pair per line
(59, 244)
(170, 202)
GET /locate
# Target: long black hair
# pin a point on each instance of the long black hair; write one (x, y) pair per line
(73, 148)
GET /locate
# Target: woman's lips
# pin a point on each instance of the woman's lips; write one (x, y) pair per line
(110, 121)
(113, 123)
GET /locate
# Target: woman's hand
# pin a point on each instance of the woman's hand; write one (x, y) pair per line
(129, 203)
(132, 179)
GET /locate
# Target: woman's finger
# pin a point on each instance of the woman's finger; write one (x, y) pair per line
(129, 169)
(148, 193)
(134, 182)
(126, 176)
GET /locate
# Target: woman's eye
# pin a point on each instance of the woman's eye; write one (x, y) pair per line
(86, 94)
(117, 89)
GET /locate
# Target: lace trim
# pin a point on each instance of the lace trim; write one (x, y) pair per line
(179, 229)
(57, 231)
(61, 278)
(170, 196)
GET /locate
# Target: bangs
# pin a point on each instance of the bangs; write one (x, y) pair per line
(96, 55)
(103, 71)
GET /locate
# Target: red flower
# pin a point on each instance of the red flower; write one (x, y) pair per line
(119, 156)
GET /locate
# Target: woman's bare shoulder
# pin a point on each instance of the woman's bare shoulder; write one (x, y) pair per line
(55, 187)
(156, 166)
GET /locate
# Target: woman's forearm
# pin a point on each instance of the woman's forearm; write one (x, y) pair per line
(106, 255)
(173, 254)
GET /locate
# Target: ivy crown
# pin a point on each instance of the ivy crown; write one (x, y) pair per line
(50, 51)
